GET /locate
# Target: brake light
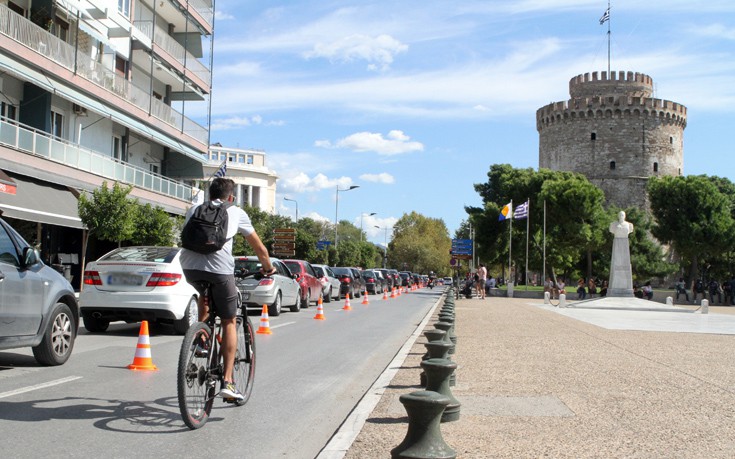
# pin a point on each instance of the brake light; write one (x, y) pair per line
(346, 280)
(266, 281)
(163, 280)
(92, 278)
(370, 279)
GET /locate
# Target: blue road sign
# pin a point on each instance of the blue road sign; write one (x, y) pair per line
(461, 241)
(321, 245)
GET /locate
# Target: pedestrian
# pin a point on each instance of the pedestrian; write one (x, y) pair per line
(591, 288)
(647, 291)
(732, 291)
(560, 287)
(714, 289)
(698, 289)
(681, 287)
(482, 278)
(581, 291)
(549, 287)
(603, 290)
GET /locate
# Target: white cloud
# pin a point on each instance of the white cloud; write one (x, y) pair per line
(715, 31)
(318, 217)
(236, 122)
(378, 51)
(222, 16)
(302, 183)
(378, 178)
(395, 143)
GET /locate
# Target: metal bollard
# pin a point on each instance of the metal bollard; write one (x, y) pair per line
(424, 438)
(438, 372)
(436, 350)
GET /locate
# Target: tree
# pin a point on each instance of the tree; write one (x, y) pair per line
(153, 226)
(693, 215)
(264, 224)
(109, 214)
(420, 244)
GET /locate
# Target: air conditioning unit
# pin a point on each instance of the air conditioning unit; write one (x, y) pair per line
(79, 110)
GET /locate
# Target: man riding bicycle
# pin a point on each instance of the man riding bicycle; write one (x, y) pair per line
(218, 268)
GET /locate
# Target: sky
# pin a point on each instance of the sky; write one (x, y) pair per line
(412, 101)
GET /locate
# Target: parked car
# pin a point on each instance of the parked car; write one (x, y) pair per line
(387, 278)
(348, 282)
(37, 304)
(396, 277)
(311, 288)
(330, 283)
(448, 281)
(359, 280)
(373, 282)
(133, 284)
(406, 279)
(277, 290)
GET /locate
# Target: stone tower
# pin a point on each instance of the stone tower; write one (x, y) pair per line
(613, 132)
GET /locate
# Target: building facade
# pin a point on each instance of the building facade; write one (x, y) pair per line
(615, 133)
(255, 182)
(95, 91)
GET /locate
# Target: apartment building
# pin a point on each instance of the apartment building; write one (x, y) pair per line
(93, 91)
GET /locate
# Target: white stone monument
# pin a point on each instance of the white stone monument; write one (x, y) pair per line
(621, 273)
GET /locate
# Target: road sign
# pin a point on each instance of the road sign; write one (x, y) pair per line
(284, 254)
(453, 261)
(461, 252)
(321, 245)
(280, 245)
(284, 230)
(461, 256)
(461, 242)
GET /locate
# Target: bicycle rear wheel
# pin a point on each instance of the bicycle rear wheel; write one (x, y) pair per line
(196, 385)
(244, 368)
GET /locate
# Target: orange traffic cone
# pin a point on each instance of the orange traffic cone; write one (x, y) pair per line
(319, 311)
(265, 325)
(385, 295)
(398, 293)
(347, 306)
(393, 292)
(142, 360)
(365, 298)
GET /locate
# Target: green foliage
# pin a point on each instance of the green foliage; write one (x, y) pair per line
(420, 244)
(153, 226)
(109, 214)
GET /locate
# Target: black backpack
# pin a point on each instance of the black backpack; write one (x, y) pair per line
(699, 286)
(206, 230)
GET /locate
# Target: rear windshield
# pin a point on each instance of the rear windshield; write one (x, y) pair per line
(369, 274)
(293, 266)
(319, 271)
(342, 271)
(149, 254)
(246, 266)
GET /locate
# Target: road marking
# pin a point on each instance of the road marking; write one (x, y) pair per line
(39, 386)
(282, 325)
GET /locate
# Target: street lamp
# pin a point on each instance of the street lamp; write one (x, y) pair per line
(362, 235)
(385, 249)
(336, 212)
(297, 207)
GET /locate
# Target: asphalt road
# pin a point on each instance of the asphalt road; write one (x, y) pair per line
(310, 375)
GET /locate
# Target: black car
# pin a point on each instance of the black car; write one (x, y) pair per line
(406, 279)
(359, 280)
(387, 278)
(373, 282)
(348, 282)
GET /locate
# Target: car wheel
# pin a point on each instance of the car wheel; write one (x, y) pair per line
(305, 301)
(297, 306)
(58, 338)
(328, 298)
(275, 308)
(94, 325)
(191, 314)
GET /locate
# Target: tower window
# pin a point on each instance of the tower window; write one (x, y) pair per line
(593, 136)
(612, 165)
(655, 167)
(671, 140)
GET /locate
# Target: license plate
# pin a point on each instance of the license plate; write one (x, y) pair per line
(124, 279)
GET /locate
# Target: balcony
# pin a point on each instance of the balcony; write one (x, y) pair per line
(181, 55)
(204, 10)
(37, 143)
(30, 35)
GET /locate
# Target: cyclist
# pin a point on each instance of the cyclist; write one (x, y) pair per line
(218, 269)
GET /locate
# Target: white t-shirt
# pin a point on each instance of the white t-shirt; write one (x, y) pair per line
(221, 261)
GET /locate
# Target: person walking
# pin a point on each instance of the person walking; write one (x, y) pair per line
(714, 290)
(482, 278)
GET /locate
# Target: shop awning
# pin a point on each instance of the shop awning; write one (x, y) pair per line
(44, 202)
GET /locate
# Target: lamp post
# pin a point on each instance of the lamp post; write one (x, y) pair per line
(336, 212)
(362, 235)
(385, 248)
(297, 207)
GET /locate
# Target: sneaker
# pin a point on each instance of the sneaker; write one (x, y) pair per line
(230, 391)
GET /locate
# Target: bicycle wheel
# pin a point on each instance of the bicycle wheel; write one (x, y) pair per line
(554, 302)
(196, 385)
(244, 369)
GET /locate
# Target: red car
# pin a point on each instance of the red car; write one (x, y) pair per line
(311, 287)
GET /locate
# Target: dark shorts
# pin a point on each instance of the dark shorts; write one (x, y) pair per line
(224, 290)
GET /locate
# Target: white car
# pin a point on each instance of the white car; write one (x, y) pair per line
(133, 284)
(329, 281)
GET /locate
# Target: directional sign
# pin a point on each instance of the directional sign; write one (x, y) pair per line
(284, 237)
(285, 230)
(460, 242)
(284, 254)
(321, 245)
(462, 256)
(284, 245)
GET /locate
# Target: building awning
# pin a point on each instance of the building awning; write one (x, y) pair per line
(43, 202)
(7, 185)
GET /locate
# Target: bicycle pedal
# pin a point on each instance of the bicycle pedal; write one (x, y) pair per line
(229, 400)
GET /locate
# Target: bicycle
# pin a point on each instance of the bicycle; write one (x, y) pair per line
(200, 363)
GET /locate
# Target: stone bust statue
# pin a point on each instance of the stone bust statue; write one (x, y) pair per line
(621, 228)
(621, 272)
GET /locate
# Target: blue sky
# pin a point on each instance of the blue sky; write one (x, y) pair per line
(414, 100)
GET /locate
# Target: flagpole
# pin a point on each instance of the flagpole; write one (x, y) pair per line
(528, 225)
(608, 39)
(510, 241)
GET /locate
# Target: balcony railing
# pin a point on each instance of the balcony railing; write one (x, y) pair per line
(33, 142)
(182, 56)
(34, 37)
(201, 7)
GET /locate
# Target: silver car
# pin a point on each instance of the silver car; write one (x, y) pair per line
(330, 283)
(37, 305)
(275, 291)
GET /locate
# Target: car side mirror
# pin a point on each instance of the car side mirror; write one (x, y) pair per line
(31, 257)
(295, 276)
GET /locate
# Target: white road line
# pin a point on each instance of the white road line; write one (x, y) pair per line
(282, 325)
(39, 386)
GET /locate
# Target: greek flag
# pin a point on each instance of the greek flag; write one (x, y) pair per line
(222, 171)
(605, 17)
(521, 211)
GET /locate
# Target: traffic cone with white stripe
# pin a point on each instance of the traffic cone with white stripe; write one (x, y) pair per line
(142, 360)
(393, 292)
(365, 298)
(385, 295)
(265, 325)
(319, 310)
(347, 306)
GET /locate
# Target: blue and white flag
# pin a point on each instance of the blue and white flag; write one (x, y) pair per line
(521, 211)
(605, 17)
(222, 171)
